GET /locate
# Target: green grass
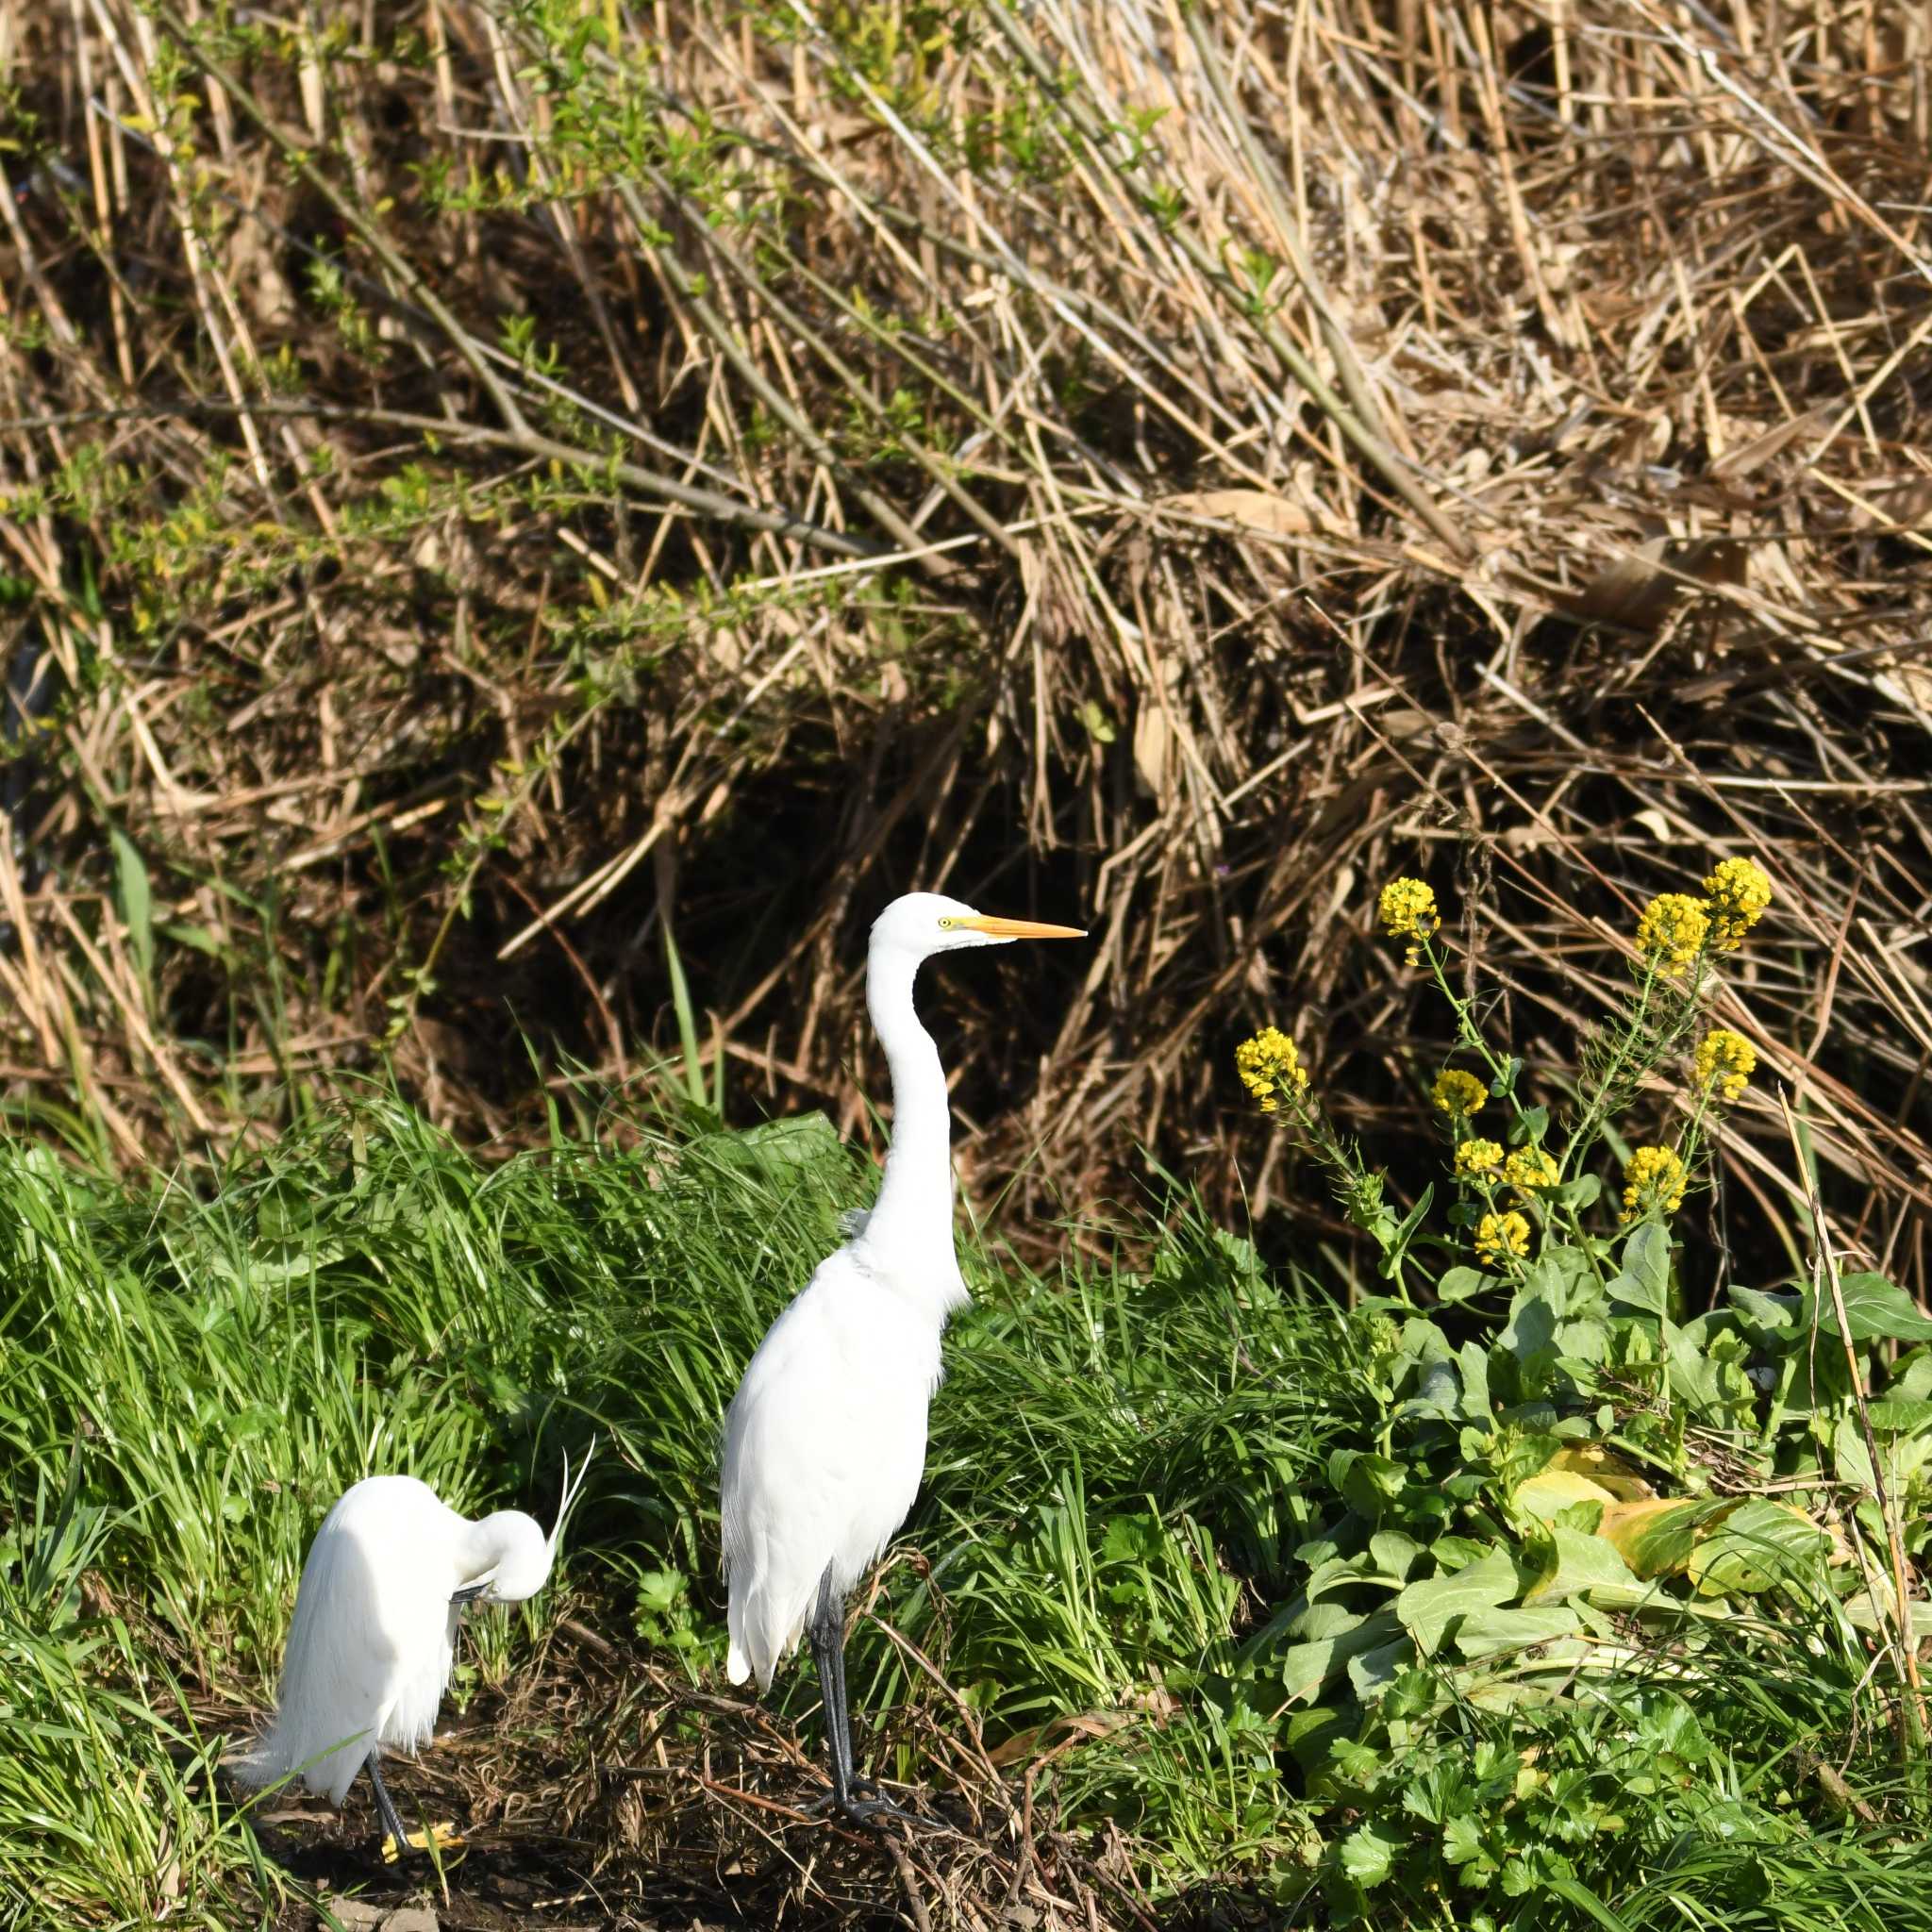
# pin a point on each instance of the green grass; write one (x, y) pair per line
(1135, 1461)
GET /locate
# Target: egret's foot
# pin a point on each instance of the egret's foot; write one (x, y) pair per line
(875, 1810)
(444, 1838)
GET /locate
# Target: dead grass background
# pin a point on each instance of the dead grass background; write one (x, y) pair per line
(491, 485)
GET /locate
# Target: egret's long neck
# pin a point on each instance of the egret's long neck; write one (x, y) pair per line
(915, 1205)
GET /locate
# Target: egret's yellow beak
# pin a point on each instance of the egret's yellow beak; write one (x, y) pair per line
(1018, 929)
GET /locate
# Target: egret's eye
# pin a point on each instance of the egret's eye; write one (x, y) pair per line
(947, 924)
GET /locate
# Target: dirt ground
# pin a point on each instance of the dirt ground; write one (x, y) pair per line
(587, 1801)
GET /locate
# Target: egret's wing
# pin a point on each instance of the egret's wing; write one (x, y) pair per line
(338, 1671)
(823, 1451)
(368, 1655)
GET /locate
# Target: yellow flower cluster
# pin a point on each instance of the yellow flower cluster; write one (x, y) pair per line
(1673, 931)
(1726, 1061)
(1458, 1094)
(1653, 1178)
(1475, 1158)
(1501, 1235)
(1409, 909)
(1738, 891)
(1271, 1069)
(1530, 1168)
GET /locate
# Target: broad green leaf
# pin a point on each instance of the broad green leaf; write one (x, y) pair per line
(1875, 1311)
(1758, 1544)
(1852, 1458)
(1374, 1672)
(1372, 1482)
(1576, 1565)
(1474, 1363)
(795, 1141)
(1305, 1667)
(1645, 1280)
(1427, 1608)
(1484, 1633)
(1318, 1620)
(1396, 1554)
(1866, 1614)
(1459, 1284)
(1898, 1416)
(1772, 1311)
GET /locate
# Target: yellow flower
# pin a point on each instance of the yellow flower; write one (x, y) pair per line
(1460, 1095)
(1725, 1060)
(1409, 909)
(1653, 1178)
(1740, 892)
(1271, 1069)
(1478, 1157)
(1671, 932)
(1529, 1168)
(1501, 1235)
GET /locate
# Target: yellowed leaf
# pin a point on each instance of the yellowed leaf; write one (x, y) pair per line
(1555, 1490)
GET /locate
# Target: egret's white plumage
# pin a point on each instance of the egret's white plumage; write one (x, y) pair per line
(826, 1437)
(371, 1645)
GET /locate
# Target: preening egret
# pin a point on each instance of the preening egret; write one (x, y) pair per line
(371, 1645)
(826, 1437)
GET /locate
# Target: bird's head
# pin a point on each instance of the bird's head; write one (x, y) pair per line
(923, 924)
(507, 1557)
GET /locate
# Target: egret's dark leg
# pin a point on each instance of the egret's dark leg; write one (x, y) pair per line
(385, 1804)
(826, 1631)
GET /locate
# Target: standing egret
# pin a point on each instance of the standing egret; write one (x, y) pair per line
(826, 1437)
(371, 1641)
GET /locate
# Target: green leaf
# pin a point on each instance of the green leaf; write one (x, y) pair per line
(1378, 1671)
(1474, 1363)
(1574, 1566)
(1462, 1841)
(1758, 1544)
(1581, 1192)
(1395, 1244)
(1646, 1281)
(1893, 1415)
(1875, 1311)
(1530, 1126)
(1429, 1607)
(1773, 1311)
(1369, 1482)
(1396, 1554)
(1485, 1633)
(136, 905)
(1459, 1284)
(1306, 1667)
(798, 1139)
(1367, 1856)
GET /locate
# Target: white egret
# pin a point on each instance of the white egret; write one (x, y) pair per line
(826, 1437)
(371, 1641)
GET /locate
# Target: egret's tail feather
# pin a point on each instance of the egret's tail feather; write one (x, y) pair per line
(737, 1666)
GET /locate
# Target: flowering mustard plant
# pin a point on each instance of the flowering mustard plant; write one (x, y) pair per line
(1723, 1064)
(1458, 1094)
